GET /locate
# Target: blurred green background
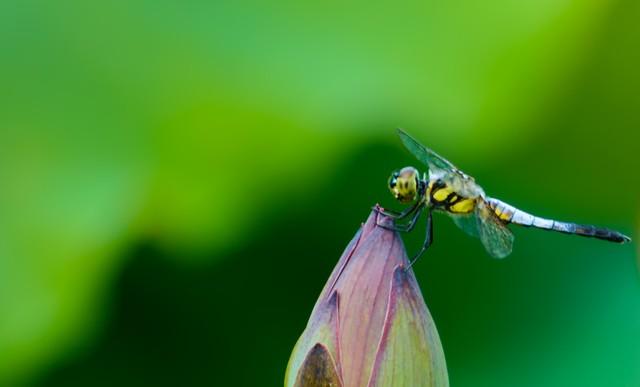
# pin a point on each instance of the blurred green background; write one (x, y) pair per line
(179, 178)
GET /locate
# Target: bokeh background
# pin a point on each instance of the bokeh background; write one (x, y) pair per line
(179, 178)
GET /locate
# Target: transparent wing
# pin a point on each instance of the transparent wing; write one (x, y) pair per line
(467, 222)
(440, 168)
(495, 236)
(424, 154)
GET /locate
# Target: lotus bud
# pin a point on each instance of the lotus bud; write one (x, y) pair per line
(370, 326)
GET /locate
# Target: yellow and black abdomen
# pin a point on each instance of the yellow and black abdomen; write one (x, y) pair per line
(443, 197)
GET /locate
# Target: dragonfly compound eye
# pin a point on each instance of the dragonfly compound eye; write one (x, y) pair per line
(393, 180)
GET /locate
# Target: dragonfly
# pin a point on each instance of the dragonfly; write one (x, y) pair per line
(447, 189)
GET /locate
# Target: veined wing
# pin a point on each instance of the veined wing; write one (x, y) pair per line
(467, 222)
(424, 154)
(441, 168)
(495, 236)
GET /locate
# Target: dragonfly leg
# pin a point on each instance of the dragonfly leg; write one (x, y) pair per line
(407, 227)
(399, 215)
(427, 242)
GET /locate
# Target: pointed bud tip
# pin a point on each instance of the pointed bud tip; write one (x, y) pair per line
(378, 217)
(371, 283)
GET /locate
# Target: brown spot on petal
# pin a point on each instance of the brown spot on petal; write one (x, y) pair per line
(322, 329)
(318, 369)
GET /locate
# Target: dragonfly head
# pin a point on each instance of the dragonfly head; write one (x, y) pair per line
(404, 184)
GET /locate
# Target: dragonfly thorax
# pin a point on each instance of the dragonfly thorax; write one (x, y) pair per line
(405, 184)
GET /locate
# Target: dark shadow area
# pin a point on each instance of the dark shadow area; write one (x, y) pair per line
(235, 321)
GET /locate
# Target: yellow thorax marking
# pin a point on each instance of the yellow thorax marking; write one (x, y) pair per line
(441, 194)
(463, 206)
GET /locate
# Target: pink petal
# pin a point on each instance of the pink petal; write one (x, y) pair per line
(410, 352)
